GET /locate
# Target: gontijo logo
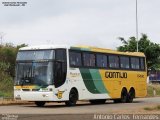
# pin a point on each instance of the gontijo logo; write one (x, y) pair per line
(116, 75)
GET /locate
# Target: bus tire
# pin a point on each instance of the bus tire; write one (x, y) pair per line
(131, 96)
(73, 97)
(101, 101)
(124, 95)
(40, 103)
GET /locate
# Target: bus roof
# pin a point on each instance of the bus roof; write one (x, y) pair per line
(39, 47)
(83, 48)
(103, 50)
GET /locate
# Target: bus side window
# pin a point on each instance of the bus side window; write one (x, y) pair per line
(142, 63)
(75, 58)
(89, 59)
(124, 62)
(113, 61)
(101, 60)
(135, 64)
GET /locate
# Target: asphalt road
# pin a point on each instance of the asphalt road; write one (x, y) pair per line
(83, 110)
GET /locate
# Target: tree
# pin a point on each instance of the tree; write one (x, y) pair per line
(8, 53)
(21, 45)
(150, 49)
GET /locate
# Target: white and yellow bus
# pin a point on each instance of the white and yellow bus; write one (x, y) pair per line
(71, 73)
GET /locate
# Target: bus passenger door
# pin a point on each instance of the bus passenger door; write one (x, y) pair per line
(58, 74)
(60, 67)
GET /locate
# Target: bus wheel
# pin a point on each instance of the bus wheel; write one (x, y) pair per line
(131, 95)
(40, 103)
(73, 97)
(101, 101)
(124, 96)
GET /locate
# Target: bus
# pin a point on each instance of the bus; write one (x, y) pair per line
(57, 73)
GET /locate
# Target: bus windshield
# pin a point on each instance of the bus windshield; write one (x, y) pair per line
(34, 68)
(35, 73)
(36, 55)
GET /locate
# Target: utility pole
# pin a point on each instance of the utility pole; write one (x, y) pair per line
(137, 24)
(1, 37)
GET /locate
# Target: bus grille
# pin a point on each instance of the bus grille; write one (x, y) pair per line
(26, 89)
(35, 89)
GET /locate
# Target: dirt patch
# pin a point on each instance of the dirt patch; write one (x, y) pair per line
(13, 102)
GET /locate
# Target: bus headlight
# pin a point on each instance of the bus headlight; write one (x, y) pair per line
(18, 97)
(46, 89)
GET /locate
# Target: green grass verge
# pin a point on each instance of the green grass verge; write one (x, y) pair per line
(6, 87)
(152, 108)
(151, 88)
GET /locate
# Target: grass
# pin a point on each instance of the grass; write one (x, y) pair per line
(152, 108)
(151, 88)
(6, 87)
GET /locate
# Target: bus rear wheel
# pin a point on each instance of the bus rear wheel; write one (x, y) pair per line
(73, 97)
(131, 96)
(40, 103)
(124, 96)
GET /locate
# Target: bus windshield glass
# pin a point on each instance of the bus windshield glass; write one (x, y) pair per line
(35, 73)
(34, 68)
(36, 55)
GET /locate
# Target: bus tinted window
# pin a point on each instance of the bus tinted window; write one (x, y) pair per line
(101, 60)
(113, 61)
(135, 63)
(89, 59)
(124, 62)
(61, 54)
(142, 63)
(75, 59)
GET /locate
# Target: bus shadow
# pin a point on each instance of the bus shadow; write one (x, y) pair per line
(80, 104)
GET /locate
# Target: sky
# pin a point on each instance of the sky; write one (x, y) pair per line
(78, 22)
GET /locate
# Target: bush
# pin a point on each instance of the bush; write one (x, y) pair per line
(6, 87)
(8, 54)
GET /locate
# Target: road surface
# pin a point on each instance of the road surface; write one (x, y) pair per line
(51, 110)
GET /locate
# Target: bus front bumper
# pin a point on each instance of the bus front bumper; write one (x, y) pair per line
(35, 96)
